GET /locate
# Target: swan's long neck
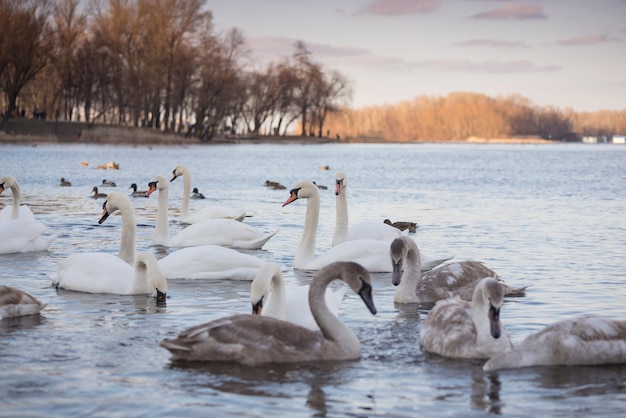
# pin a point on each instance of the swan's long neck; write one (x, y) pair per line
(305, 252)
(330, 325)
(341, 215)
(186, 192)
(129, 231)
(17, 197)
(406, 292)
(162, 229)
(278, 307)
(480, 311)
(147, 275)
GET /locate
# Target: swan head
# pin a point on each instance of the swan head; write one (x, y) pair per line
(355, 276)
(488, 296)
(302, 190)
(341, 181)
(178, 171)
(400, 251)
(7, 182)
(112, 203)
(157, 183)
(146, 265)
(261, 286)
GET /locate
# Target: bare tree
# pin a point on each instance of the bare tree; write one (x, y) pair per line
(25, 44)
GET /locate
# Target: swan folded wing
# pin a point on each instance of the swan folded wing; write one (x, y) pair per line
(581, 341)
(210, 212)
(449, 330)
(24, 213)
(247, 339)
(452, 279)
(95, 273)
(19, 235)
(14, 302)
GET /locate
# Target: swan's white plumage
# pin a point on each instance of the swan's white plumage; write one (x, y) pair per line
(370, 253)
(223, 232)
(210, 262)
(207, 212)
(363, 230)
(461, 329)
(454, 279)
(19, 230)
(270, 295)
(15, 302)
(255, 340)
(580, 341)
(104, 273)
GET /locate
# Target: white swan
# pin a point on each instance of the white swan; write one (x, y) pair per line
(457, 328)
(20, 232)
(363, 230)
(207, 212)
(580, 341)
(14, 303)
(454, 279)
(371, 254)
(254, 339)
(93, 273)
(224, 232)
(270, 296)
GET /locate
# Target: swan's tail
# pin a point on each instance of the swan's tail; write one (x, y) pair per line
(256, 244)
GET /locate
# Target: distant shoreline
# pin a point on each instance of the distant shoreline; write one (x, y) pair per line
(32, 131)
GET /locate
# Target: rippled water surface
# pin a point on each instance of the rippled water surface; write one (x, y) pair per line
(549, 216)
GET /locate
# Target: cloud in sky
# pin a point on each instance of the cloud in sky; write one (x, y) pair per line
(588, 40)
(398, 7)
(466, 66)
(491, 43)
(516, 11)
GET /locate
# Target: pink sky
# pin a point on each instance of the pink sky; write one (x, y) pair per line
(561, 53)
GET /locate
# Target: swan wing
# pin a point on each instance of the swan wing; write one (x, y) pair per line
(95, 273)
(370, 253)
(448, 330)
(23, 235)
(223, 232)
(210, 262)
(585, 340)
(373, 230)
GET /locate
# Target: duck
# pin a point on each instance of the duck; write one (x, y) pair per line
(15, 303)
(457, 328)
(585, 340)
(195, 194)
(208, 212)
(274, 185)
(402, 225)
(108, 183)
(371, 253)
(270, 296)
(135, 192)
(344, 232)
(218, 231)
(97, 194)
(20, 232)
(254, 340)
(64, 183)
(454, 279)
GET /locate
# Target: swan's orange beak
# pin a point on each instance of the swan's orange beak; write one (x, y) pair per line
(173, 176)
(257, 308)
(151, 188)
(293, 195)
(338, 186)
(105, 213)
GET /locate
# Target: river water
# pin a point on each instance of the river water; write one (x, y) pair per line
(548, 216)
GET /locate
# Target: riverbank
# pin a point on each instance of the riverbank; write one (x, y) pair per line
(40, 131)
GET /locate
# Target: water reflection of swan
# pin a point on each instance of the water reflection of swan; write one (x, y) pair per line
(254, 340)
(370, 253)
(580, 341)
(208, 212)
(457, 328)
(270, 296)
(450, 280)
(20, 232)
(224, 232)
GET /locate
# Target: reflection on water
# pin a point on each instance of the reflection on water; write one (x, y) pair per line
(546, 216)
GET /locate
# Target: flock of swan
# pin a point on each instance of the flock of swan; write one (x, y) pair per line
(291, 323)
